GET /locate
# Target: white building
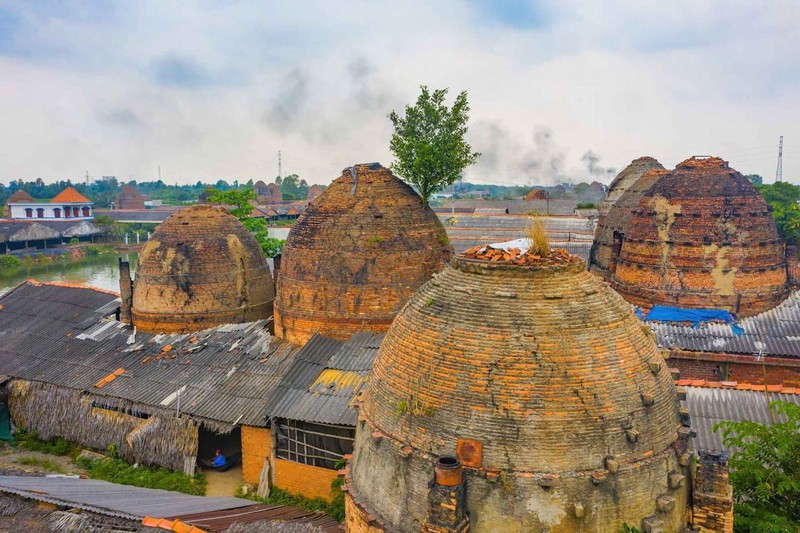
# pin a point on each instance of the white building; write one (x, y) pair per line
(68, 204)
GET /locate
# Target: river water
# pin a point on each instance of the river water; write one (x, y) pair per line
(98, 271)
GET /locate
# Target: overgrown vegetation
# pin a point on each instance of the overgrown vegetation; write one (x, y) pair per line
(536, 234)
(29, 440)
(586, 205)
(108, 468)
(765, 471)
(119, 471)
(413, 406)
(9, 261)
(782, 198)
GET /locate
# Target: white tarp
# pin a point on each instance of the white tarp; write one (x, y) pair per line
(522, 244)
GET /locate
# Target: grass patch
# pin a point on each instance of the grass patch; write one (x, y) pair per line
(45, 464)
(537, 237)
(98, 249)
(29, 440)
(118, 471)
(281, 497)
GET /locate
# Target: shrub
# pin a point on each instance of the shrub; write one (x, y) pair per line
(9, 261)
(119, 471)
(29, 440)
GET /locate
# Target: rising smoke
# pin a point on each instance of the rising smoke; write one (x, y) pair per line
(508, 158)
(592, 162)
(281, 115)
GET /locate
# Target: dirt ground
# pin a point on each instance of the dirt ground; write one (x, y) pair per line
(12, 462)
(223, 483)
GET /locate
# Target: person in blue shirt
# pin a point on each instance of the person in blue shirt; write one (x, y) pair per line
(219, 460)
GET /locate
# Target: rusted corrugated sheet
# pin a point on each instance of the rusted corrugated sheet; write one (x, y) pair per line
(774, 332)
(220, 520)
(60, 335)
(709, 406)
(325, 379)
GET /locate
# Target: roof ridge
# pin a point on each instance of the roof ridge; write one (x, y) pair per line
(736, 385)
(70, 286)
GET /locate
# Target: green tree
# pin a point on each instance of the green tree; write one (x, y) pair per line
(429, 144)
(783, 198)
(755, 179)
(765, 471)
(240, 199)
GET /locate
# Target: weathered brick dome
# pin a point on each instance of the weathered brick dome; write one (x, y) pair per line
(541, 380)
(356, 255)
(201, 268)
(703, 237)
(616, 211)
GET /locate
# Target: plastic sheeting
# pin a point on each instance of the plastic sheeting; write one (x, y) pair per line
(660, 313)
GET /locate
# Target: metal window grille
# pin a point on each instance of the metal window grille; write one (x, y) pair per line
(321, 445)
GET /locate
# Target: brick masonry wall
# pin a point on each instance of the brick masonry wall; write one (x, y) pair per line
(616, 213)
(355, 256)
(741, 368)
(712, 502)
(306, 480)
(357, 520)
(702, 236)
(255, 449)
(496, 354)
(201, 268)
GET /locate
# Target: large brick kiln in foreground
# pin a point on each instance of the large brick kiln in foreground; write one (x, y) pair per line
(616, 211)
(201, 268)
(702, 236)
(518, 398)
(356, 255)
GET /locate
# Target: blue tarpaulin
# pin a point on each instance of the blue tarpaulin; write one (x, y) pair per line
(661, 313)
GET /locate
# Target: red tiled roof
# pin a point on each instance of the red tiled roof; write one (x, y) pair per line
(70, 195)
(736, 385)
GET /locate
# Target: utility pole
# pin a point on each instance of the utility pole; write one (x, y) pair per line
(280, 172)
(159, 172)
(779, 171)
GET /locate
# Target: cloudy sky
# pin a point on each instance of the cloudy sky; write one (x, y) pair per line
(559, 90)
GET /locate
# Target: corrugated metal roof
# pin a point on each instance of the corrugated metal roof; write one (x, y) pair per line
(325, 379)
(776, 332)
(220, 520)
(116, 500)
(708, 407)
(61, 335)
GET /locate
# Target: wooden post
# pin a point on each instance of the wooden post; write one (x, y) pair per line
(189, 464)
(264, 483)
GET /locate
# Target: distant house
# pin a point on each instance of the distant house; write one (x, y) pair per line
(68, 204)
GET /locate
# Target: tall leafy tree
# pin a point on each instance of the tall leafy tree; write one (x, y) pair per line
(240, 199)
(429, 141)
(783, 197)
(765, 471)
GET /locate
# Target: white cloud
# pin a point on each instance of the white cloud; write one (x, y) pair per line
(214, 90)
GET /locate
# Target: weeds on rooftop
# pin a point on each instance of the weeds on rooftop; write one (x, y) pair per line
(537, 236)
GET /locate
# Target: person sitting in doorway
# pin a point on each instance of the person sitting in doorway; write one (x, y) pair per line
(219, 460)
